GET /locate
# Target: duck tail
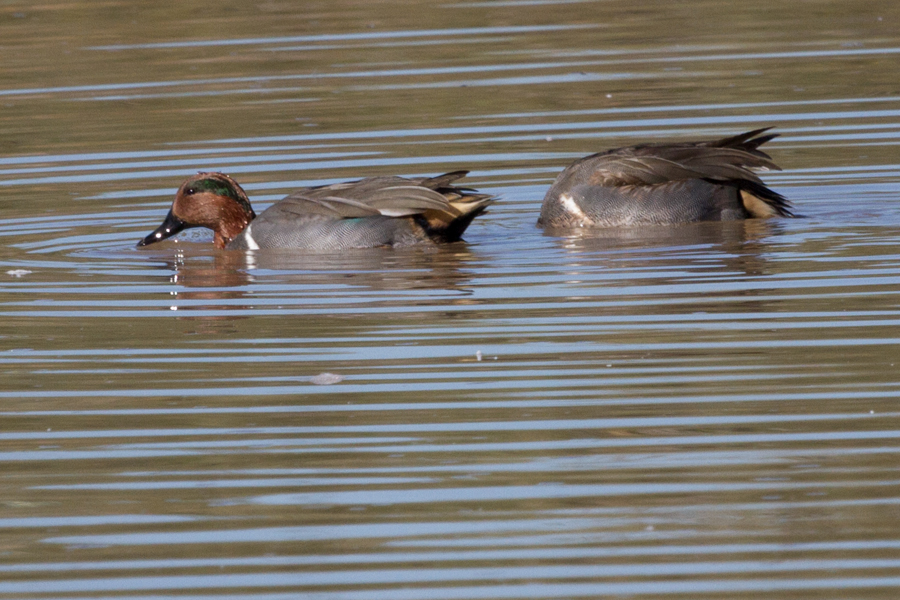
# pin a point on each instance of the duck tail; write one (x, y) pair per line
(748, 142)
(463, 205)
(449, 226)
(761, 201)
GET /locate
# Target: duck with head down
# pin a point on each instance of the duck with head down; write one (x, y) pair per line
(378, 211)
(661, 184)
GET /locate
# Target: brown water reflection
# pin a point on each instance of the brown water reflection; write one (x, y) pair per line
(697, 411)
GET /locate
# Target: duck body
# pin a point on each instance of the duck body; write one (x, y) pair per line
(660, 184)
(379, 211)
(317, 232)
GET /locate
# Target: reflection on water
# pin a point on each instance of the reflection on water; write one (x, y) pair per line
(705, 410)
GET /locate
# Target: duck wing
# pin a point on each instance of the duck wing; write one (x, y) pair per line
(388, 196)
(729, 159)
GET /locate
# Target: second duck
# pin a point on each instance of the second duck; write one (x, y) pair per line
(658, 184)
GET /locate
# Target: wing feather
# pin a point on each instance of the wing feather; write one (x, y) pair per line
(388, 196)
(730, 159)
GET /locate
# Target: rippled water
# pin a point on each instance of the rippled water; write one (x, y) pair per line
(706, 410)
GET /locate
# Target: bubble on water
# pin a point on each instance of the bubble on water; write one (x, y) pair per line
(326, 379)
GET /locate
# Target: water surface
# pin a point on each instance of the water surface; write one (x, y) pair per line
(707, 410)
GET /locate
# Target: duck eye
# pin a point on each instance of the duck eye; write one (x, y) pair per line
(190, 191)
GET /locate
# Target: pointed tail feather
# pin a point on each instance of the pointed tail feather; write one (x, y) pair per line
(443, 226)
(442, 181)
(748, 142)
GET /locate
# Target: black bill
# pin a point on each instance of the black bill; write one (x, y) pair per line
(170, 226)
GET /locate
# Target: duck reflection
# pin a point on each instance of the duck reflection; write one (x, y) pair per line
(740, 246)
(216, 286)
(372, 269)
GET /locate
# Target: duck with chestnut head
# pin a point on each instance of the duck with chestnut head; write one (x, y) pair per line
(373, 212)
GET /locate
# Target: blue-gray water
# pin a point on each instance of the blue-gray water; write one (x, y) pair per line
(700, 411)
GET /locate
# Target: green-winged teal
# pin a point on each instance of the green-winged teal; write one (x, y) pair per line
(379, 211)
(666, 183)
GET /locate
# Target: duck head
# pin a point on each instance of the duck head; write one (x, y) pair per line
(210, 200)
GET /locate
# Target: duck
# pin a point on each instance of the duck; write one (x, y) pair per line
(666, 183)
(371, 212)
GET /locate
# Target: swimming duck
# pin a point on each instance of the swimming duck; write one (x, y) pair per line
(666, 183)
(379, 211)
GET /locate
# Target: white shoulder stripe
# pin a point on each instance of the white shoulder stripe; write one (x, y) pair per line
(248, 237)
(572, 207)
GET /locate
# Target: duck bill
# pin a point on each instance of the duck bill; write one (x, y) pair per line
(170, 226)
